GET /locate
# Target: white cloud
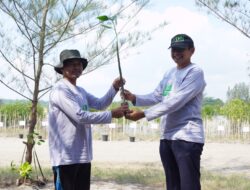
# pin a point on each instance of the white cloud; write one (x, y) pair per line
(221, 51)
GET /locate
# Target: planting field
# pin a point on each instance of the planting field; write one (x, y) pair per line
(223, 158)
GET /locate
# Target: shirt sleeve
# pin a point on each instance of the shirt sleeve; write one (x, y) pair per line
(192, 85)
(67, 103)
(103, 102)
(151, 98)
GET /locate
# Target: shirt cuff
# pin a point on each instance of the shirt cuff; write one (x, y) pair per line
(148, 116)
(109, 117)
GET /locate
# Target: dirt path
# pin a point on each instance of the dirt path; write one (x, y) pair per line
(222, 157)
(94, 185)
(216, 156)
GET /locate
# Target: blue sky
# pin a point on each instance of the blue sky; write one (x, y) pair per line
(222, 52)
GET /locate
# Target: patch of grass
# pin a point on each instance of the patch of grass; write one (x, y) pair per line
(7, 177)
(48, 174)
(212, 180)
(145, 174)
(151, 174)
(136, 173)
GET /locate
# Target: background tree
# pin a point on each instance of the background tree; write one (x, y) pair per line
(35, 30)
(239, 91)
(237, 111)
(234, 12)
(18, 110)
(212, 101)
(237, 14)
(211, 107)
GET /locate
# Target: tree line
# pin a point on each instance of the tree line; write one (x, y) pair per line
(236, 109)
(13, 111)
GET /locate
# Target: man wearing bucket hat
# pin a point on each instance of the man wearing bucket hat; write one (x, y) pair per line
(177, 100)
(70, 137)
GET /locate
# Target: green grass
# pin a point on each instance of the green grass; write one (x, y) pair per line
(133, 173)
(214, 181)
(144, 174)
(153, 175)
(7, 177)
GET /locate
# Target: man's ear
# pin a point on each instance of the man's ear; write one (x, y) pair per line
(192, 50)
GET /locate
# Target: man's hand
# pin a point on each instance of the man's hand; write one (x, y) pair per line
(128, 96)
(120, 111)
(134, 115)
(118, 83)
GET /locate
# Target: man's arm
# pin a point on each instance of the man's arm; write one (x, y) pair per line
(193, 84)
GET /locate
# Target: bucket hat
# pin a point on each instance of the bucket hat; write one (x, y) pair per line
(181, 41)
(67, 55)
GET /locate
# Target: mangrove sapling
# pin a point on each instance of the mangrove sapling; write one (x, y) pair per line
(110, 23)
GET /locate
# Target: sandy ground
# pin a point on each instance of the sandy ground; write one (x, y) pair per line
(221, 157)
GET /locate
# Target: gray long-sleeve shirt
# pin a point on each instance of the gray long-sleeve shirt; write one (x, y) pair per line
(70, 136)
(177, 100)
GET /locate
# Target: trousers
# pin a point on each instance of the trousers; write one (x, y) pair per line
(181, 163)
(72, 177)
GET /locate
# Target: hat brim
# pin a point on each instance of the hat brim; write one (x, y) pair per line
(59, 68)
(179, 45)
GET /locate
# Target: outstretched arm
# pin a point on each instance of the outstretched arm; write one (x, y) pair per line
(106, 100)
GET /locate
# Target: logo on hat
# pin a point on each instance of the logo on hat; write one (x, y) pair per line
(179, 39)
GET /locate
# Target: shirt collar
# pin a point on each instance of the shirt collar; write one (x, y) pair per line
(70, 86)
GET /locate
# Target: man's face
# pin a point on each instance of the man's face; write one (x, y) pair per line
(182, 56)
(72, 69)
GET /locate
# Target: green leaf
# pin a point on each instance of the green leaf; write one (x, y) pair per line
(103, 18)
(25, 170)
(35, 133)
